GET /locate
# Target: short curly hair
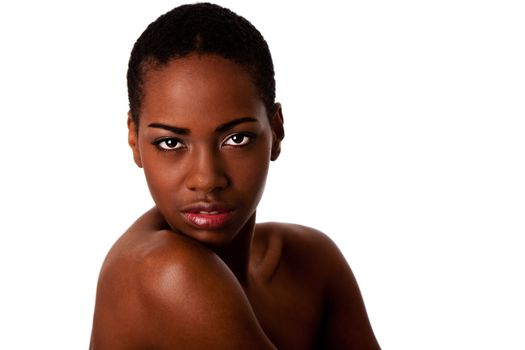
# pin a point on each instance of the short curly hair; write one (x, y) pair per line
(201, 28)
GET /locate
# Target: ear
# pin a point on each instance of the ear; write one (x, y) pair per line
(277, 124)
(133, 134)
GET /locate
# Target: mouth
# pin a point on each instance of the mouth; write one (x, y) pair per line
(208, 216)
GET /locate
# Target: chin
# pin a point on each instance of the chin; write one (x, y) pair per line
(214, 238)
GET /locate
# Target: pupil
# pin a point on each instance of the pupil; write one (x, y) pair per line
(237, 138)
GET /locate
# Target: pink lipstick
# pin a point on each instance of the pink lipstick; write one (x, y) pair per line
(207, 216)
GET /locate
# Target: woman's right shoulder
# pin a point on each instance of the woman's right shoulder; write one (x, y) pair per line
(148, 244)
(160, 289)
(149, 257)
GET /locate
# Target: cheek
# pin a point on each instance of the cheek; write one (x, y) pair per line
(259, 181)
(161, 179)
(252, 177)
(249, 174)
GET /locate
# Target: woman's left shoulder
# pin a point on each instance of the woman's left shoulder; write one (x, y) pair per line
(302, 243)
(313, 259)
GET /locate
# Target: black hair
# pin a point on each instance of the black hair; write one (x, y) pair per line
(201, 28)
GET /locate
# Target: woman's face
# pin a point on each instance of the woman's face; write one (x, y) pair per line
(205, 142)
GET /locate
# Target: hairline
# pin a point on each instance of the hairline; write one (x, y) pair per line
(151, 63)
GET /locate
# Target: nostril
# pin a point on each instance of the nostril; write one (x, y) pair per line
(206, 182)
(206, 171)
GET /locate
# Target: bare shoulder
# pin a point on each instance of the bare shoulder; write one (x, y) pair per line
(300, 255)
(300, 244)
(158, 289)
(314, 259)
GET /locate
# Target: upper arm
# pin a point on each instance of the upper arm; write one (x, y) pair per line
(190, 301)
(346, 324)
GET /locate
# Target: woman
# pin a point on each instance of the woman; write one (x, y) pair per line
(196, 271)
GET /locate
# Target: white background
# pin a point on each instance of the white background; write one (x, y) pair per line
(405, 143)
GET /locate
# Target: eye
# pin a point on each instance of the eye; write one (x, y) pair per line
(238, 140)
(168, 144)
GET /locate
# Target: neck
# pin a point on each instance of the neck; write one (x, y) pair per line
(237, 253)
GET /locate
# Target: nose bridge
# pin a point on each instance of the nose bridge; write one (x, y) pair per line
(206, 173)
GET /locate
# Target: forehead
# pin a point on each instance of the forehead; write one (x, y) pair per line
(200, 86)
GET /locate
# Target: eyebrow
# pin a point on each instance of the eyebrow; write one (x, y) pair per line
(173, 129)
(230, 125)
(221, 128)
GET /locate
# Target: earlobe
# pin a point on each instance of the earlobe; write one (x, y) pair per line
(276, 151)
(133, 140)
(277, 123)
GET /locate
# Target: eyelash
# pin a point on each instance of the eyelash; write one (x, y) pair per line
(159, 142)
(250, 136)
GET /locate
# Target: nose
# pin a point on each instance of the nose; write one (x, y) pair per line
(206, 173)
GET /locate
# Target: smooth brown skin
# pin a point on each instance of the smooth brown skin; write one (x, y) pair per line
(166, 284)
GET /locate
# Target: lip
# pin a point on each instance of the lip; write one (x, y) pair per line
(210, 216)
